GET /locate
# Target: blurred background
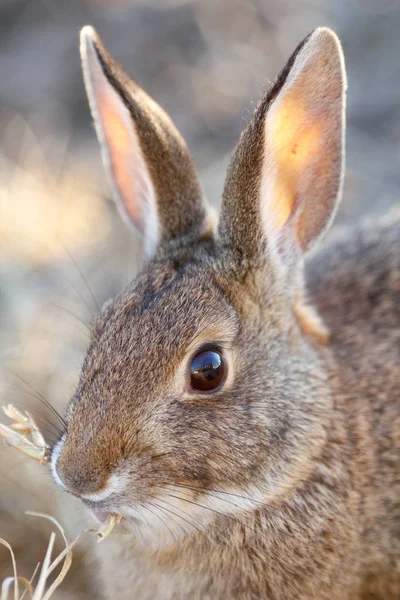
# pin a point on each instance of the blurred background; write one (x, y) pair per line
(63, 250)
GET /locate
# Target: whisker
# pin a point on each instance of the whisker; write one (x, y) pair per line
(38, 416)
(86, 283)
(40, 397)
(146, 521)
(217, 512)
(80, 295)
(162, 520)
(198, 529)
(84, 332)
(142, 515)
(49, 435)
(165, 511)
(75, 326)
(70, 312)
(215, 492)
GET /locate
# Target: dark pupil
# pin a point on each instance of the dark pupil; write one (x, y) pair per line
(207, 370)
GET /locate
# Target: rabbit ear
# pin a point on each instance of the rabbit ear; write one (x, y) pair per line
(285, 177)
(153, 178)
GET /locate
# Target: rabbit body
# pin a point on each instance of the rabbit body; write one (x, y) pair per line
(239, 401)
(334, 537)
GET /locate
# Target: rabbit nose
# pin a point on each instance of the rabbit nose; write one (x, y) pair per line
(75, 475)
(88, 486)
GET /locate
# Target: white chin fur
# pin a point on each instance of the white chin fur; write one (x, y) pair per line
(53, 461)
(116, 484)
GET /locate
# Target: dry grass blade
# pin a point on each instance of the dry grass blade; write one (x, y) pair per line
(40, 593)
(31, 582)
(28, 587)
(5, 588)
(108, 525)
(66, 555)
(24, 434)
(7, 583)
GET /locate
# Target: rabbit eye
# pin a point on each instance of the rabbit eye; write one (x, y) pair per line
(207, 370)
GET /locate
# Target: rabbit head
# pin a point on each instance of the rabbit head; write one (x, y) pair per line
(204, 389)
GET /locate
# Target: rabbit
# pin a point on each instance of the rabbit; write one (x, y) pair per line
(238, 405)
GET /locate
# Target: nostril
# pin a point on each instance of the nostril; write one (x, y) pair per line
(80, 483)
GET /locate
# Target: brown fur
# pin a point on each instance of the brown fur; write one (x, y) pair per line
(284, 484)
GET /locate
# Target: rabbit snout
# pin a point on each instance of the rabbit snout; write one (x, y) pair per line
(75, 472)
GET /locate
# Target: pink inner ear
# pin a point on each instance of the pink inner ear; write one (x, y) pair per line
(122, 154)
(303, 154)
(120, 140)
(295, 142)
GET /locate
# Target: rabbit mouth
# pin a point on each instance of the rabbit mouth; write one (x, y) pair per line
(102, 516)
(99, 515)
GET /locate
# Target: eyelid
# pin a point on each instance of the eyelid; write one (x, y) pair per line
(222, 346)
(222, 333)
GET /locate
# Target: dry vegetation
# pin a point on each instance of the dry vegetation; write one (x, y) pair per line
(24, 435)
(37, 587)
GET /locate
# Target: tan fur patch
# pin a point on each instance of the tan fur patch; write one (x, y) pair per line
(311, 323)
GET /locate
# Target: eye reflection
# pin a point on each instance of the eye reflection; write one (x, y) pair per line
(207, 370)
